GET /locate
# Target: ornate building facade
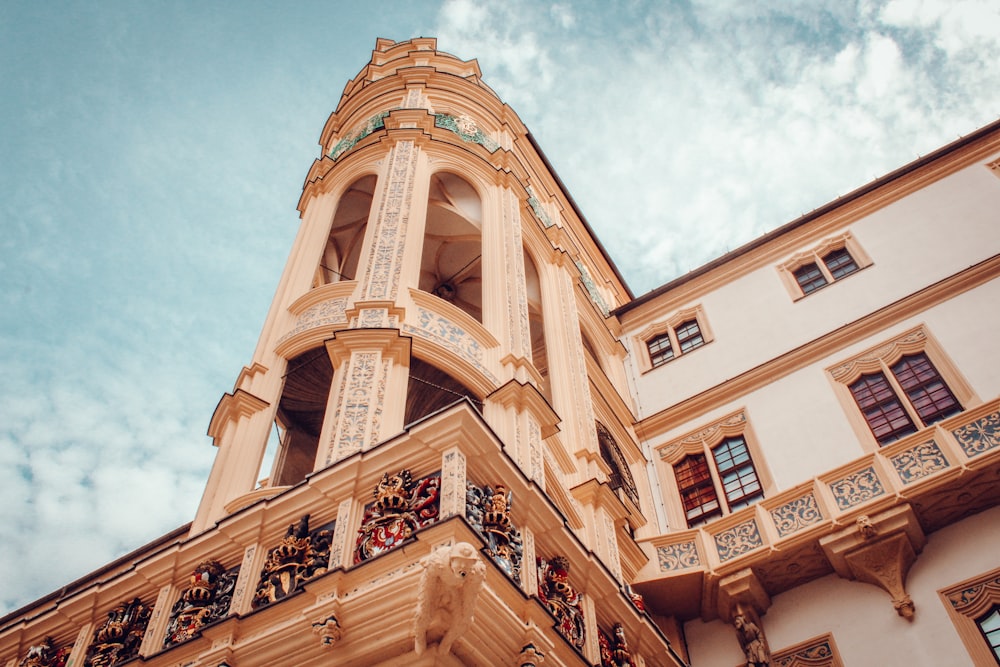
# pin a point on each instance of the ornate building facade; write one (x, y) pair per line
(492, 453)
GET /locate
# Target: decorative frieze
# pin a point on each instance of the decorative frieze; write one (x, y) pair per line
(301, 555)
(402, 506)
(538, 209)
(376, 122)
(325, 313)
(980, 436)
(466, 129)
(796, 514)
(206, 599)
(919, 461)
(46, 654)
(857, 488)
(614, 647)
(738, 540)
(591, 287)
(118, 639)
(678, 556)
(561, 599)
(488, 511)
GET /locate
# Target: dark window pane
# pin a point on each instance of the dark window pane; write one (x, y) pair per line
(739, 478)
(840, 263)
(809, 278)
(660, 351)
(884, 413)
(989, 625)
(923, 385)
(697, 491)
(689, 336)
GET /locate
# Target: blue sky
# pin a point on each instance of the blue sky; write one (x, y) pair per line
(154, 152)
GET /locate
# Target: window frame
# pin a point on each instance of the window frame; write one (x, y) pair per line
(816, 256)
(702, 442)
(880, 359)
(669, 328)
(967, 603)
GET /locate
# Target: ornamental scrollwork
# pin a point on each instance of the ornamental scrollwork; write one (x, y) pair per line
(206, 599)
(738, 540)
(857, 488)
(488, 510)
(46, 654)
(561, 599)
(119, 638)
(919, 461)
(796, 515)
(980, 436)
(678, 556)
(301, 555)
(402, 505)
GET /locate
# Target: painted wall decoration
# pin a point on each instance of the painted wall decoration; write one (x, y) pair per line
(614, 648)
(561, 599)
(488, 510)
(466, 129)
(206, 599)
(376, 122)
(301, 555)
(119, 638)
(857, 488)
(46, 654)
(980, 436)
(402, 505)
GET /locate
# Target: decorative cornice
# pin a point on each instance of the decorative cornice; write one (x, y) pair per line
(232, 407)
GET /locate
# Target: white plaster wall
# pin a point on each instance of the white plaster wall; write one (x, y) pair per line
(866, 629)
(925, 237)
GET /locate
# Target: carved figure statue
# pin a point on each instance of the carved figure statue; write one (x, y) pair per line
(752, 641)
(450, 583)
(45, 655)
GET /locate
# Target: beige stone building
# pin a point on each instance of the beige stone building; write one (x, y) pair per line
(492, 453)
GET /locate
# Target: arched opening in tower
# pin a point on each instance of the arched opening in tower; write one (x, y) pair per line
(430, 389)
(347, 234)
(452, 260)
(536, 324)
(300, 415)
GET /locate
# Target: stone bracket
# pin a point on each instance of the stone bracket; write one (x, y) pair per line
(879, 550)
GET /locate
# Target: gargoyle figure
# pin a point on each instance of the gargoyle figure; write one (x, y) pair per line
(448, 589)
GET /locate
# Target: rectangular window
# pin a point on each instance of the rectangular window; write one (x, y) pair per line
(684, 331)
(660, 350)
(989, 625)
(809, 278)
(920, 395)
(689, 336)
(696, 488)
(736, 472)
(840, 263)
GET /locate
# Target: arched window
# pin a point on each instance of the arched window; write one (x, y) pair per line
(300, 415)
(347, 234)
(536, 323)
(431, 389)
(451, 263)
(621, 477)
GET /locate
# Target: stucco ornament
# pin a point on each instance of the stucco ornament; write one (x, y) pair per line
(328, 630)
(752, 641)
(449, 586)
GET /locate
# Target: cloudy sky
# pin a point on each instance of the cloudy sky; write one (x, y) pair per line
(153, 153)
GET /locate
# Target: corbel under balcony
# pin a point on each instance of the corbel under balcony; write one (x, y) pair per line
(879, 550)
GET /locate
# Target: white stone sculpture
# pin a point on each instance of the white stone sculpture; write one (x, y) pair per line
(451, 580)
